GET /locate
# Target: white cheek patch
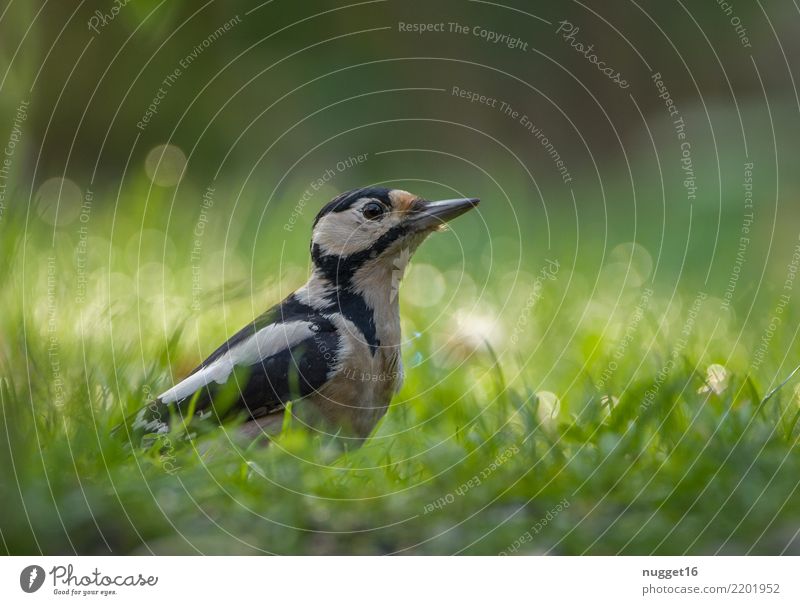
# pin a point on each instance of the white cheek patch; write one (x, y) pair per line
(266, 342)
(342, 234)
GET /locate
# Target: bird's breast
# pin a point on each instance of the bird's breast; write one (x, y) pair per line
(358, 393)
(378, 371)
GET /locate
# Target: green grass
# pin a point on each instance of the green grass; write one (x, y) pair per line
(469, 459)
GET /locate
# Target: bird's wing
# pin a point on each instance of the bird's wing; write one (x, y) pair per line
(262, 348)
(282, 355)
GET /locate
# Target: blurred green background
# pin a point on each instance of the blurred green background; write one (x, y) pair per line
(289, 90)
(162, 165)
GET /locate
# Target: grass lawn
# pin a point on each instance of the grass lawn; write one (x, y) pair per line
(557, 413)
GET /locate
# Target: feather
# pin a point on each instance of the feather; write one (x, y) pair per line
(266, 342)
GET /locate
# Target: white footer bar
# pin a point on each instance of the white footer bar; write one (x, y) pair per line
(406, 580)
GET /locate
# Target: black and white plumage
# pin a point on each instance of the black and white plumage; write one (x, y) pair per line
(333, 346)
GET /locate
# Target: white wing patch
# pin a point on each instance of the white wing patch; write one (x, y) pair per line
(264, 343)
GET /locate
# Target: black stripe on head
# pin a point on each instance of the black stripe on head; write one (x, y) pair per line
(339, 270)
(346, 200)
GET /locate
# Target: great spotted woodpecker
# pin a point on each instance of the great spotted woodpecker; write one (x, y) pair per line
(332, 347)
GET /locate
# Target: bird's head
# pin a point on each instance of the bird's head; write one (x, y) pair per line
(373, 226)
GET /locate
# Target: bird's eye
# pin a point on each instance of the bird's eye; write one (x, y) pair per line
(372, 210)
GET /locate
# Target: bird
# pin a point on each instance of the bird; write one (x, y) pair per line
(332, 347)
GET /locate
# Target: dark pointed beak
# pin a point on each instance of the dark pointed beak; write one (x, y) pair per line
(435, 214)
